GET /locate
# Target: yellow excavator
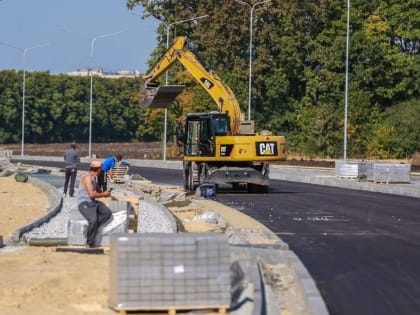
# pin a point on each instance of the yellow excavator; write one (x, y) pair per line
(219, 147)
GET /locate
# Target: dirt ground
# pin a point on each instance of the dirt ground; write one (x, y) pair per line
(39, 280)
(21, 204)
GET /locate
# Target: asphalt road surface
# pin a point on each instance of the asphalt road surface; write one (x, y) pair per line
(361, 248)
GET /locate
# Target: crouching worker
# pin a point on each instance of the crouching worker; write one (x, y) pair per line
(95, 212)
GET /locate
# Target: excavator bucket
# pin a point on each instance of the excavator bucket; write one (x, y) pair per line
(161, 96)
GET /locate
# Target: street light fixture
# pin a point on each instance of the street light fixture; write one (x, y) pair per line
(250, 49)
(166, 75)
(24, 51)
(92, 45)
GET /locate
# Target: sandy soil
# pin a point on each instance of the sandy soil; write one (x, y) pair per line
(39, 280)
(21, 203)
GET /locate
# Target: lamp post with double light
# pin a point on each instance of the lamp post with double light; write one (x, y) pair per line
(168, 28)
(24, 51)
(92, 46)
(251, 17)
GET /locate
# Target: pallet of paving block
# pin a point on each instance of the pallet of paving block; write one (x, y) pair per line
(173, 310)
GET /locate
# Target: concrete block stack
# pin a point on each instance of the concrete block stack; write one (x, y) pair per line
(5, 156)
(350, 169)
(160, 270)
(77, 227)
(390, 173)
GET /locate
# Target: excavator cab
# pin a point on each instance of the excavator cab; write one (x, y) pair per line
(201, 130)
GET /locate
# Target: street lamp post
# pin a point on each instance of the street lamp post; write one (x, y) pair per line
(250, 49)
(166, 75)
(92, 45)
(346, 80)
(24, 51)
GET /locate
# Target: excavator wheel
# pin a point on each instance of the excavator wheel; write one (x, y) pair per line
(194, 176)
(191, 176)
(257, 189)
(203, 170)
(263, 189)
(186, 175)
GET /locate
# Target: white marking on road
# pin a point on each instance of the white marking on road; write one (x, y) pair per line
(326, 218)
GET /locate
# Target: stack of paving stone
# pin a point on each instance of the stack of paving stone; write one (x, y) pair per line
(388, 172)
(5, 156)
(161, 271)
(350, 168)
(77, 228)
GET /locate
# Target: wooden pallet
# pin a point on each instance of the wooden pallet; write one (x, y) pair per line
(118, 174)
(388, 182)
(82, 249)
(346, 177)
(204, 309)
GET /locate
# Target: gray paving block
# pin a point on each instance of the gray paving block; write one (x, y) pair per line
(120, 205)
(391, 173)
(174, 270)
(77, 226)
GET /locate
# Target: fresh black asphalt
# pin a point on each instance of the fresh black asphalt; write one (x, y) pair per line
(361, 248)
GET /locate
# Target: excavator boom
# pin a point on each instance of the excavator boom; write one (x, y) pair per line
(184, 52)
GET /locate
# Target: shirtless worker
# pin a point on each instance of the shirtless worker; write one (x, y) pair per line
(95, 212)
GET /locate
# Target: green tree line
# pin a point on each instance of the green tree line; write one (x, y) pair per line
(298, 68)
(57, 108)
(298, 78)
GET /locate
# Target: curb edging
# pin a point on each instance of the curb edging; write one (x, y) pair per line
(55, 202)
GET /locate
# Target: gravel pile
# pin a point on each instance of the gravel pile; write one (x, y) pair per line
(154, 219)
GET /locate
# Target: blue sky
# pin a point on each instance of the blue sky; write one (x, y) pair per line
(69, 26)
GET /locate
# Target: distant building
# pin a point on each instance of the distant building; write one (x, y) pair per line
(99, 72)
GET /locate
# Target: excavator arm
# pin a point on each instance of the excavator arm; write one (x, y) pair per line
(184, 52)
